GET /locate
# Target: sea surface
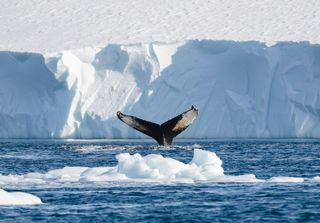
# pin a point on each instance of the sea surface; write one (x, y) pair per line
(167, 202)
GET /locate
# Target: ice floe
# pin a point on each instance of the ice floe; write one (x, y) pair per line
(205, 166)
(284, 179)
(18, 198)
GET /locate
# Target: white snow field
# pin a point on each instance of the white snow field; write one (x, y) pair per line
(18, 198)
(205, 166)
(84, 60)
(52, 26)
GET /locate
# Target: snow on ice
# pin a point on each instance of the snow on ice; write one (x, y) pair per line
(52, 26)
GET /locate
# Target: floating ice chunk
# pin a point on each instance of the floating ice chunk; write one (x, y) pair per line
(102, 174)
(18, 198)
(9, 179)
(283, 179)
(246, 178)
(316, 179)
(134, 166)
(204, 166)
(66, 174)
(210, 164)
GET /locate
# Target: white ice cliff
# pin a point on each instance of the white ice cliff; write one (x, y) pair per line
(242, 89)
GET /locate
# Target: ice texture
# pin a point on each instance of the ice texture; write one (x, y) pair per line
(18, 198)
(46, 26)
(242, 89)
(205, 166)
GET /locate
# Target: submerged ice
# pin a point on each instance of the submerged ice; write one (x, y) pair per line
(242, 89)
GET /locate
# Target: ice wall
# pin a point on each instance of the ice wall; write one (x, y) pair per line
(242, 89)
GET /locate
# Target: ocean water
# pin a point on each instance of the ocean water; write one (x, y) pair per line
(199, 201)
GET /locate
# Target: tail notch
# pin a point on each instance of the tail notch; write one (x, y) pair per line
(165, 132)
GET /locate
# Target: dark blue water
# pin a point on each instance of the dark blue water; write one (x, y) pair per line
(151, 202)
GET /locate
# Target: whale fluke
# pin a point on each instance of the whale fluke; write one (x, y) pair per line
(165, 132)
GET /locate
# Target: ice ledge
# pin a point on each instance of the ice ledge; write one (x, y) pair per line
(242, 89)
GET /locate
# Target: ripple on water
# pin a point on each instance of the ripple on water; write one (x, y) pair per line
(282, 198)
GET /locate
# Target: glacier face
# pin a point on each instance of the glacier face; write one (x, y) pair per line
(242, 89)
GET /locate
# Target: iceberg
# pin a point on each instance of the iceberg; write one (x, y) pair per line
(242, 89)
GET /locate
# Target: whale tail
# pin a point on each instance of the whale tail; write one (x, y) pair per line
(165, 132)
